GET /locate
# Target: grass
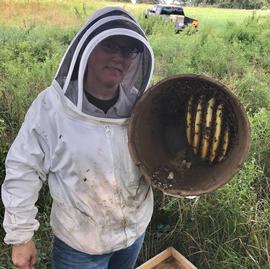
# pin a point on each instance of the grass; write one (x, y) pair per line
(228, 228)
(214, 18)
(63, 13)
(73, 13)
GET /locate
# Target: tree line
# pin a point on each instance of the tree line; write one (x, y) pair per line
(242, 4)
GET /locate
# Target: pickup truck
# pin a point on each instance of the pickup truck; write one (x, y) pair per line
(175, 13)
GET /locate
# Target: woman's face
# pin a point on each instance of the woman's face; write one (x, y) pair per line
(109, 62)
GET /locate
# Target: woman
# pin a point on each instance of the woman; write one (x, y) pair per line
(75, 135)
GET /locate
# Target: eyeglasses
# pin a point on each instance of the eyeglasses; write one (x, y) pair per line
(113, 47)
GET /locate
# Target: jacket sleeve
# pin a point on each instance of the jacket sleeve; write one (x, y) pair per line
(27, 165)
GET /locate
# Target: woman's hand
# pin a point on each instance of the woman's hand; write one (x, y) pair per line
(24, 255)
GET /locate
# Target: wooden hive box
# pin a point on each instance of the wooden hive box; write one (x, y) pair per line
(170, 258)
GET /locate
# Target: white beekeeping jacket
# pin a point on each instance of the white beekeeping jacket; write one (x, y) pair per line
(100, 201)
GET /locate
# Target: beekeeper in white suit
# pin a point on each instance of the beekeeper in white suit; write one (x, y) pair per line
(75, 134)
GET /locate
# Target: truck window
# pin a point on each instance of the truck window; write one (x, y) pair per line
(172, 11)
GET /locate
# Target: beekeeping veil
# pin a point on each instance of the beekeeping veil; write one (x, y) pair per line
(106, 22)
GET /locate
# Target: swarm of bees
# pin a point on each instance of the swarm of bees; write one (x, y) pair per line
(207, 128)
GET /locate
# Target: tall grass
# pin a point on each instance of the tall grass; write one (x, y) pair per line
(230, 227)
(225, 229)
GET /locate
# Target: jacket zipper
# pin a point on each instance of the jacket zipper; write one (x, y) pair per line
(108, 133)
(108, 130)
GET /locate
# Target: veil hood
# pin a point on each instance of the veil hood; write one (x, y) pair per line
(103, 23)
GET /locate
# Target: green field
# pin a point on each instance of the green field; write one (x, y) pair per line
(72, 13)
(228, 228)
(218, 18)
